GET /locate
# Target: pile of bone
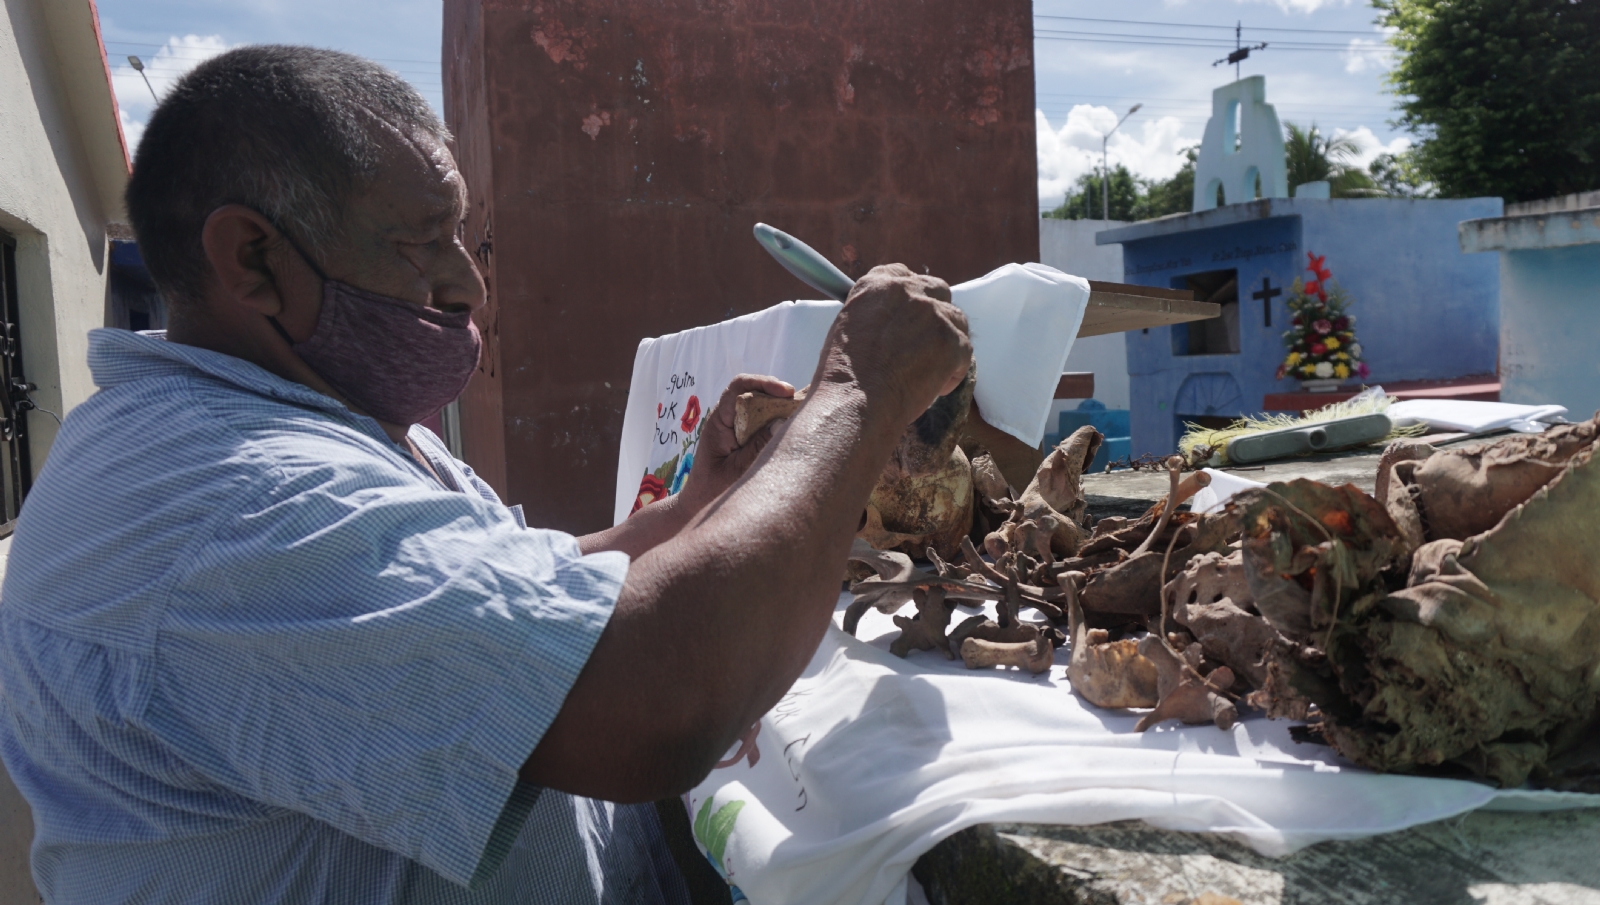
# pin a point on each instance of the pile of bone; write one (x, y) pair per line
(1450, 624)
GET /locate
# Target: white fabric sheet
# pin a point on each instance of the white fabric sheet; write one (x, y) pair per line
(1475, 417)
(1023, 319)
(1222, 488)
(870, 760)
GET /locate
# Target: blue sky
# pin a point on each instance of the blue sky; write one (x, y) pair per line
(1326, 64)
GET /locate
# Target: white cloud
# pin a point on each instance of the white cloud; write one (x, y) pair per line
(1149, 149)
(1362, 55)
(170, 63)
(1371, 147)
(1300, 6)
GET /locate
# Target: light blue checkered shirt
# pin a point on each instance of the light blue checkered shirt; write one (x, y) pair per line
(251, 651)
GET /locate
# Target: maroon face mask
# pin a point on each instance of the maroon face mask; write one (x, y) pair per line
(397, 361)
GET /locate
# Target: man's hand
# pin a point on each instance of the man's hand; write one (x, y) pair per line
(900, 340)
(718, 458)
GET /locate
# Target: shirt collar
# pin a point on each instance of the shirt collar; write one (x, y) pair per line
(122, 356)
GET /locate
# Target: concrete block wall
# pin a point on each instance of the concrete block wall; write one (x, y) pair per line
(1549, 253)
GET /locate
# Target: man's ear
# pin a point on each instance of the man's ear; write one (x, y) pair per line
(235, 239)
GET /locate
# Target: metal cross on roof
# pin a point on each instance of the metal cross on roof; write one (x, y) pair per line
(1240, 53)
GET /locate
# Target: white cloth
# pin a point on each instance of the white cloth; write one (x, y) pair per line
(1222, 488)
(1475, 417)
(1022, 317)
(783, 341)
(870, 760)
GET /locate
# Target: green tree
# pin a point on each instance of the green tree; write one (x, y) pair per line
(1504, 94)
(1084, 202)
(1170, 196)
(1314, 157)
(1398, 176)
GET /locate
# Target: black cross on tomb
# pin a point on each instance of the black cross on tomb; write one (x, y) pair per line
(1266, 295)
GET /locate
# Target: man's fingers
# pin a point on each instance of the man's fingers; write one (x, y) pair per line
(759, 383)
(748, 383)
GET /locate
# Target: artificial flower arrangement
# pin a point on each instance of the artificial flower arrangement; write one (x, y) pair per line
(1321, 339)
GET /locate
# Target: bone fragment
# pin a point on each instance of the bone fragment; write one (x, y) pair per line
(926, 631)
(1034, 656)
(1393, 454)
(1174, 466)
(1185, 694)
(753, 411)
(1105, 673)
(1053, 498)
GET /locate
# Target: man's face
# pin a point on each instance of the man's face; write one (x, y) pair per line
(401, 237)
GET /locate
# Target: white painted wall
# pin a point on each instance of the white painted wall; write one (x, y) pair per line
(62, 171)
(1068, 245)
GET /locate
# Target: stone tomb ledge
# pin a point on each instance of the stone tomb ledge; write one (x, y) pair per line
(1481, 858)
(1129, 493)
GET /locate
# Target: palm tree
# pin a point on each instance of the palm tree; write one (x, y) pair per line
(1313, 156)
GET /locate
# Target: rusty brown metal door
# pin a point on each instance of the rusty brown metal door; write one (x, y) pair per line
(15, 470)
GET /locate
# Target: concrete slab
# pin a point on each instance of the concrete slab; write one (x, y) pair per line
(1482, 857)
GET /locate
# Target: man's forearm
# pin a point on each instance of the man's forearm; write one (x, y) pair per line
(716, 623)
(642, 531)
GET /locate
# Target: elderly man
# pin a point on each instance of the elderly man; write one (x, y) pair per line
(264, 640)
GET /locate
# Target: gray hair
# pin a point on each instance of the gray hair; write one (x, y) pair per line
(292, 132)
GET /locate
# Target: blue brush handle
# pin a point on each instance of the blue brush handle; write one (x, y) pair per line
(804, 262)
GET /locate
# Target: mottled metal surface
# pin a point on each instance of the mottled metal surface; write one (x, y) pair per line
(618, 154)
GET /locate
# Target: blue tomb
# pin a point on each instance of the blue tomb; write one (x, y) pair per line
(1423, 309)
(1111, 423)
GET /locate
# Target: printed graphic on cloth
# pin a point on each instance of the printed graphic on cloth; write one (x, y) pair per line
(679, 378)
(711, 831)
(677, 434)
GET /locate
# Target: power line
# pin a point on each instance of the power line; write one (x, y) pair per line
(1316, 31)
(192, 56)
(1102, 37)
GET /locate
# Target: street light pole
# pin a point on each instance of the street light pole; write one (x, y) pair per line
(1105, 166)
(138, 66)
